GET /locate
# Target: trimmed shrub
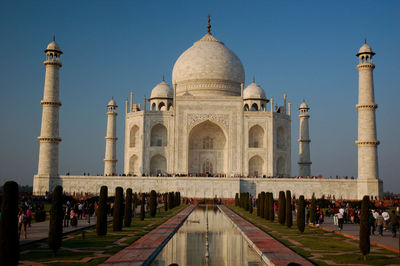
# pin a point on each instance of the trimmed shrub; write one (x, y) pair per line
(289, 215)
(271, 207)
(364, 228)
(142, 210)
(262, 202)
(258, 204)
(266, 206)
(128, 208)
(101, 223)
(135, 203)
(165, 199)
(281, 208)
(246, 201)
(118, 209)
(9, 242)
(153, 203)
(237, 199)
(250, 205)
(313, 210)
(301, 217)
(170, 200)
(56, 219)
(176, 199)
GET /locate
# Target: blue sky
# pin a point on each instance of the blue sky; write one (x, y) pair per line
(303, 48)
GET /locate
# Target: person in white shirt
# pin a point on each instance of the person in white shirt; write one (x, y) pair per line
(386, 217)
(340, 216)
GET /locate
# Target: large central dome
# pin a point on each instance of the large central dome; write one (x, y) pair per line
(208, 68)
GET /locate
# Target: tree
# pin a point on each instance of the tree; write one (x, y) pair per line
(56, 219)
(135, 203)
(237, 199)
(281, 208)
(258, 204)
(301, 218)
(176, 199)
(165, 199)
(289, 215)
(9, 242)
(128, 208)
(142, 210)
(101, 223)
(266, 213)
(170, 200)
(118, 209)
(153, 203)
(262, 202)
(364, 228)
(246, 201)
(313, 210)
(271, 207)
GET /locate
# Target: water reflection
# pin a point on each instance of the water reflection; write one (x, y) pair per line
(225, 244)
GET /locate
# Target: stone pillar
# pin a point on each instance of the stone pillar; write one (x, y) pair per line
(110, 159)
(367, 141)
(304, 142)
(49, 133)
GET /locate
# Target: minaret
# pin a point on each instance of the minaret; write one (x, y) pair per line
(304, 142)
(367, 142)
(110, 159)
(49, 133)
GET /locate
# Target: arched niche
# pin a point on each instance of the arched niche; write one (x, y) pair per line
(256, 166)
(207, 149)
(158, 136)
(256, 137)
(158, 165)
(133, 165)
(134, 136)
(281, 166)
(281, 138)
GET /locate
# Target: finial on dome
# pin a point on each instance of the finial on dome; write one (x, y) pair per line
(365, 40)
(54, 37)
(163, 78)
(254, 79)
(209, 25)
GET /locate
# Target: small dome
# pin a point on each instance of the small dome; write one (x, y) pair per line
(162, 90)
(303, 105)
(253, 91)
(53, 46)
(112, 103)
(365, 49)
(208, 68)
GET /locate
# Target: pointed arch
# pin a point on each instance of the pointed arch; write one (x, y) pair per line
(246, 107)
(162, 107)
(254, 107)
(158, 136)
(133, 165)
(153, 106)
(281, 166)
(256, 164)
(256, 137)
(158, 165)
(134, 136)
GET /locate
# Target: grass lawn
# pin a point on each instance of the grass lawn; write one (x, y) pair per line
(92, 249)
(319, 246)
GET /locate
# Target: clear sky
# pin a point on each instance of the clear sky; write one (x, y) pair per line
(303, 48)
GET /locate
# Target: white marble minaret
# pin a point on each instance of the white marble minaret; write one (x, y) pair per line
(304, 142)
(110, 159)
(49, 133)
(367, 142)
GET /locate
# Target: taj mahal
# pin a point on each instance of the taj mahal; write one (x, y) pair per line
(208, 134)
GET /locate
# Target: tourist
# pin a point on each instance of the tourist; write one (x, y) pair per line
(386, 217)
(21, 222)
(371, 223)
(29, 217)
(379, 223)
(394, 222)
(340, 217)
(67, 214)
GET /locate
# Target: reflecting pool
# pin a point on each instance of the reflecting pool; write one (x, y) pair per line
(207, 238)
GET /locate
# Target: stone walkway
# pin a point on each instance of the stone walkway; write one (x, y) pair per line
(40, 231)
(353, 231)
(146, 248)
(271, 251)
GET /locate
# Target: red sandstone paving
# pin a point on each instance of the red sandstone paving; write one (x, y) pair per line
(142, 250)
(273, 250)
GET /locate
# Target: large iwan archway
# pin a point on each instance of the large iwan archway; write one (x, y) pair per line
(207, 149)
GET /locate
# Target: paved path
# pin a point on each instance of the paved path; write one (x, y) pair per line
(271, 250)
(142, 251)
(353, 231)
(40, 231)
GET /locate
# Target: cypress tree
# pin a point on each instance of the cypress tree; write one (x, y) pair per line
(56, 219)
(262, 202)
(9, 242)
(281, 208)
(289, 215)
(246, 201)
(313, 210)
(237, 199)
(118, 209)
(128, 208)
(271, 207)
(250, 205)
(176, 199)
(134, 203)
(301, 218)
(266, 206)
(258, 204)
(142, 210)
(364, 228)
(101, 222)
(153, 203)
(266, 214)
(165, 199)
